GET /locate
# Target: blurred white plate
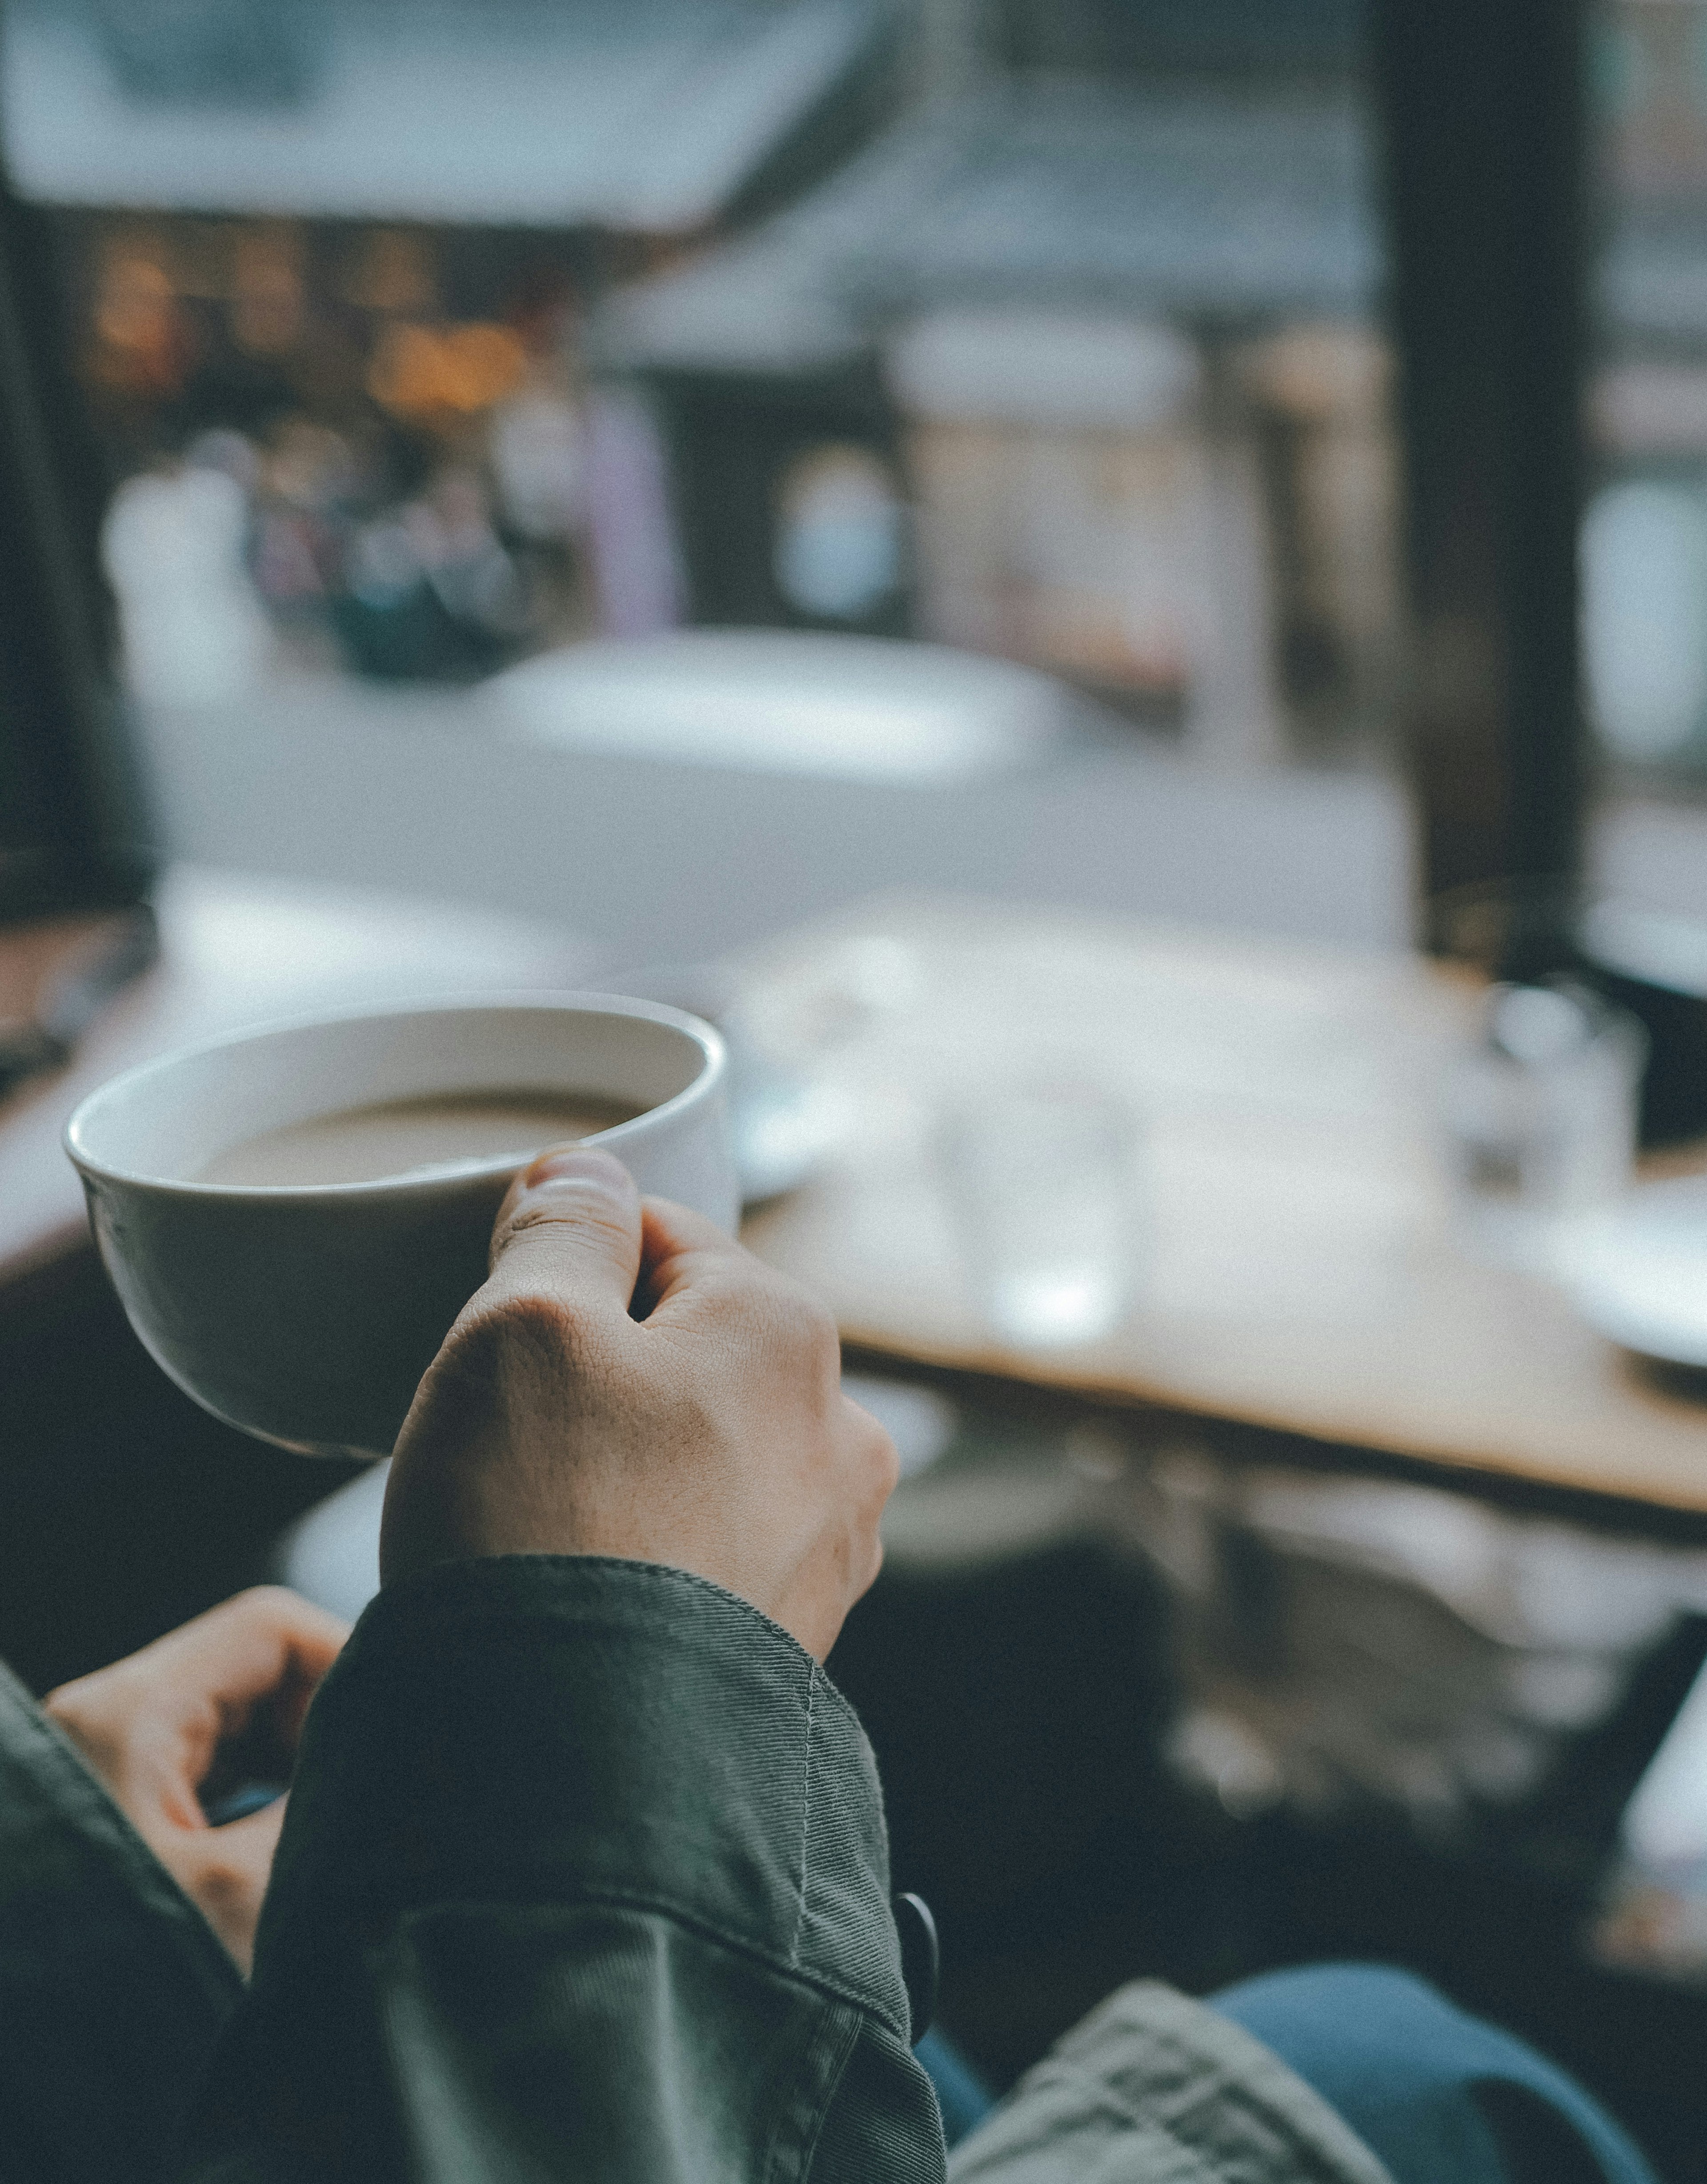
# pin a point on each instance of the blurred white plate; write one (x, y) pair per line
(1639, 1274)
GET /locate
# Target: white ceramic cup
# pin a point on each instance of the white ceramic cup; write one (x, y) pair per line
(307, 1314)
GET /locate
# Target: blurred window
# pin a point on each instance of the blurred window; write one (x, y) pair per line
(423, 335)
(1644, 543)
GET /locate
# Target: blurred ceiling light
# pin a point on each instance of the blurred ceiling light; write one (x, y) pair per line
(418, 371)
(134, 303)
(848, 708)
(142, 344)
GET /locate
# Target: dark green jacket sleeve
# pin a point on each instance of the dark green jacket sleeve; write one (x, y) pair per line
(585, 1877)
(113, 1988)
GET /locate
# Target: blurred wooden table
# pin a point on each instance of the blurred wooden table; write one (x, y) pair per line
(1299, 1271)
(234, 950)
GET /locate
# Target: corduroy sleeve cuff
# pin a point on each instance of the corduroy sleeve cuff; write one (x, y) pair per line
(550, 1728)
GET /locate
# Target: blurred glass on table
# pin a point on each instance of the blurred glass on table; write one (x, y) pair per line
(1540, 1115)
(1043, 1181)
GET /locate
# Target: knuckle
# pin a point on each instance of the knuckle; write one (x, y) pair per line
(509, 1367)
(68, 1707)
(740, 1285)
(527, 1327)
(780, 1325)
(877, 1459)
(90, 1705)
(269, 1604)
(532, 1317)
(221, 1882)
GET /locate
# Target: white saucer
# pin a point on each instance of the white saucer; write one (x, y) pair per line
(1639, 1274)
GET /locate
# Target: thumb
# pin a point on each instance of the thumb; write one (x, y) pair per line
(569, 1228)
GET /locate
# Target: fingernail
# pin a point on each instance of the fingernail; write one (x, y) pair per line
(572, 1163)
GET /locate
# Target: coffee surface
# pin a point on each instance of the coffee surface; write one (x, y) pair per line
(406, 1137)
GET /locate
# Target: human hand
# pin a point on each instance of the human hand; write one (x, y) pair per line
(152, 1727)
(706, 1429)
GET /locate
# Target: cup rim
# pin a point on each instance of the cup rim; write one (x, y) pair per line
(706, 1036)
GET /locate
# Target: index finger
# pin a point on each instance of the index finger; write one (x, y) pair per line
(679, 1249)
(265, 1644)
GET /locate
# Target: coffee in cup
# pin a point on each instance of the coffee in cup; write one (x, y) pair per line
(293, 1219)
(432, 1132)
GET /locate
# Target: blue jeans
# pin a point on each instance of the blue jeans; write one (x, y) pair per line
(1442, 2097)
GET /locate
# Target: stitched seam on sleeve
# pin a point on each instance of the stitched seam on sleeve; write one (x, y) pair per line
(791, 2151)
(805, 1817)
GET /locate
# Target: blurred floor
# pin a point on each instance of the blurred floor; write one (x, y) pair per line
(1146, 1705)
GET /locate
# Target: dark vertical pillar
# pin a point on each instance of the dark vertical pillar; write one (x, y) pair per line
(1482, 103)
(73, 811)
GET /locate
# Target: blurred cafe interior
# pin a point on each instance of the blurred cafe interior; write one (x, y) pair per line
(1118, 590)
